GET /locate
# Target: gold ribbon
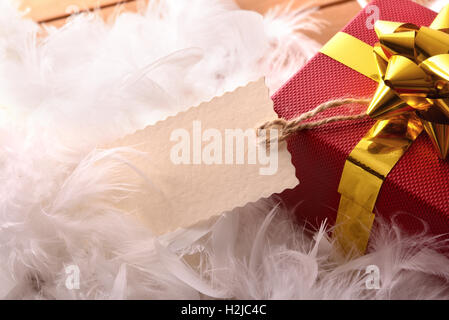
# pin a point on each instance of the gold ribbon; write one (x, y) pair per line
(411, 65)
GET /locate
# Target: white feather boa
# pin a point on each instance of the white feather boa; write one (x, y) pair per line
(89, 83)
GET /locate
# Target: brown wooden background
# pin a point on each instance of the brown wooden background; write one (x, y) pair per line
(55, 12)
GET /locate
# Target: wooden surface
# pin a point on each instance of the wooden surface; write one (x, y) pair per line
(55, 12)
(106, 12)
(337, 13)
(42, 10)
(264, 5)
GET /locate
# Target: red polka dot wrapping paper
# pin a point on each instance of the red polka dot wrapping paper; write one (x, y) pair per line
(416, 190)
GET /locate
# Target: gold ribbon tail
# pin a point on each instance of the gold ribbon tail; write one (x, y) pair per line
(373, 158)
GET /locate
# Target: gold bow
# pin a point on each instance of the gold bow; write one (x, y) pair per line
(413, 70)
(411, 65)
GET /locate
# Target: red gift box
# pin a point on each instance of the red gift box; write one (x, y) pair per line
(417, 187)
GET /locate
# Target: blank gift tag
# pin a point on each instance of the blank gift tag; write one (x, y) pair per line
(204, 161)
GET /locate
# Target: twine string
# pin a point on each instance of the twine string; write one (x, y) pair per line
(289, 127)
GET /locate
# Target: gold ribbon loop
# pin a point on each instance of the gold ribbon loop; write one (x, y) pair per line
(414, 69)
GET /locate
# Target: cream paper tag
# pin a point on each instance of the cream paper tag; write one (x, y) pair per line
(189, 167)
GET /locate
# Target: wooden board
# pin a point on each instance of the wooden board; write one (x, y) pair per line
(106, 13)
(43, 10)
(337, 13)
(337, 17)
(264, 5)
